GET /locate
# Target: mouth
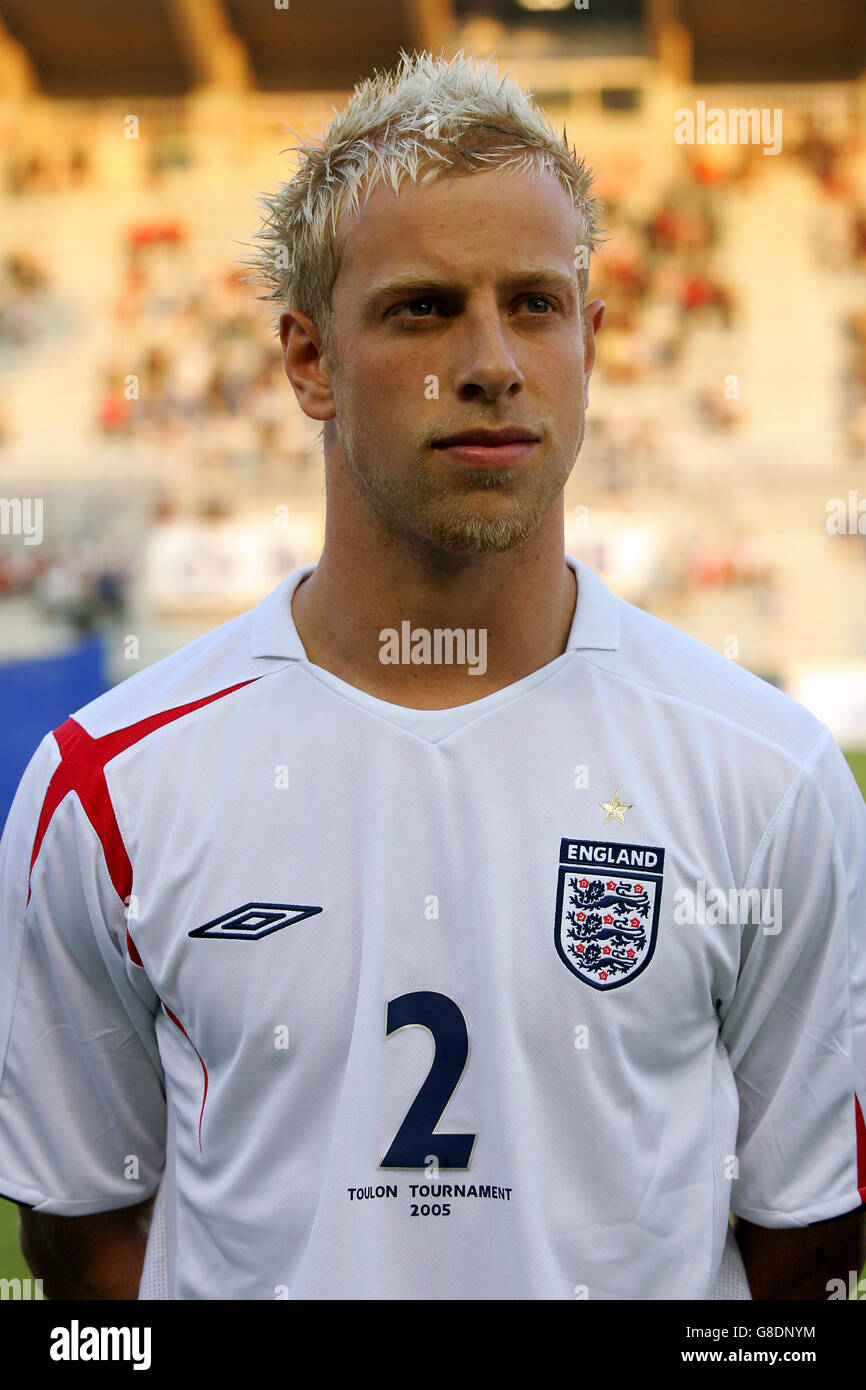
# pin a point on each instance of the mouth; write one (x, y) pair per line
(488, 448)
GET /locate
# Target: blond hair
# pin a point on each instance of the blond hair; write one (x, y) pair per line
(428, 117)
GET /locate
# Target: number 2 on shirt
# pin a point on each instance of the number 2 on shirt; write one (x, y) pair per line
(415, 1144)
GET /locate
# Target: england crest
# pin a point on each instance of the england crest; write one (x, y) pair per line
(607, 909)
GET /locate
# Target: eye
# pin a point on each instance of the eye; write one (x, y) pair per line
(425, 306)
(411, 304)
(537, 299)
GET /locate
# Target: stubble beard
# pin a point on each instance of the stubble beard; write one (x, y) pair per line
(439, 514)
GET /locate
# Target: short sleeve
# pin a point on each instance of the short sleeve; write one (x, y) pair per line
(795, 1029)
(82, 1101)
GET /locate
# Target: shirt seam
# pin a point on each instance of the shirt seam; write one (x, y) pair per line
(697, 708)
(802, 1216)
(803, 771)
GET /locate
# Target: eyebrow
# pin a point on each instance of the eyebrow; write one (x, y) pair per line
(416, 284)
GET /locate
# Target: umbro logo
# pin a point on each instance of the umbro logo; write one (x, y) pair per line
(255, 920)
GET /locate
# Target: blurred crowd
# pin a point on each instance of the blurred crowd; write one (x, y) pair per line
(855, 381)
(24, 285)
(657, 276)
(193, 368)
(80, 583)
(196, 361)
(50, 168)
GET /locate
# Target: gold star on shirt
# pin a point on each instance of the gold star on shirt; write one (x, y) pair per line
(615, 809)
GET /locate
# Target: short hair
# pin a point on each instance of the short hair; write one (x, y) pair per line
(429, 117)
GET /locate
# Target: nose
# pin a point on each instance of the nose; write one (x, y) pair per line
(487, 367)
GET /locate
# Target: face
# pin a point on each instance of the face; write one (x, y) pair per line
(456, 309)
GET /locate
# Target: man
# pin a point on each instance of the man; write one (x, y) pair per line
(379, 965)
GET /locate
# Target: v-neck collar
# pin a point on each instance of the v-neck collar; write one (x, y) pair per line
(595, 626)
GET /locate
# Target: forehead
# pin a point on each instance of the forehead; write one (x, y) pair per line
(465, 223)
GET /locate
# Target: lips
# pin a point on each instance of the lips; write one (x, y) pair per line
(488, 439)
(494, 450)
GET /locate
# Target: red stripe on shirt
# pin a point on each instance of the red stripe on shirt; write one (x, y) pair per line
(177, 1021)
(860, 1128)
(82, 770)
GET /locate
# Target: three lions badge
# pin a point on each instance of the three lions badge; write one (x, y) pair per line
(607, 909)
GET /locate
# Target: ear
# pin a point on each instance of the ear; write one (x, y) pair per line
(305, 365)
(592, 317)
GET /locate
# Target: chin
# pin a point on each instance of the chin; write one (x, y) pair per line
(476, 536)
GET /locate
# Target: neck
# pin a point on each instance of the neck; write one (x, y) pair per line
(523, 599)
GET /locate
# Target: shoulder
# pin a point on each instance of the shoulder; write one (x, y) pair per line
(213, 665)
(736, 749)
(696, 690)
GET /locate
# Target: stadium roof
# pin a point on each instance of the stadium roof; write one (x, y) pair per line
(92, 48)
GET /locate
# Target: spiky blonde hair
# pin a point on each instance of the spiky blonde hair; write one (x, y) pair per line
(428, 117)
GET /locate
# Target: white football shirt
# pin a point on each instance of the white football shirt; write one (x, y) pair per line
(437, 1004)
